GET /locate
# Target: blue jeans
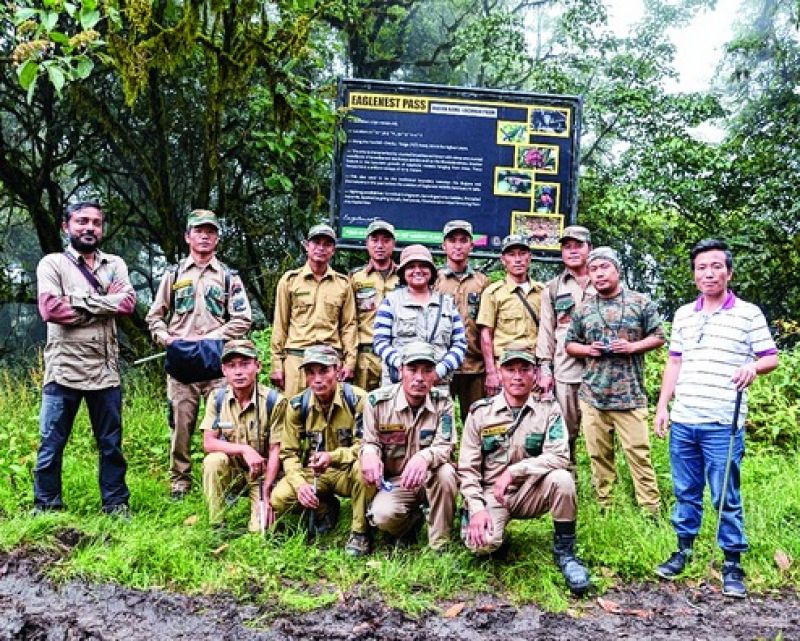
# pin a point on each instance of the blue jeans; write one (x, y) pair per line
(698, 454)
(59, 406)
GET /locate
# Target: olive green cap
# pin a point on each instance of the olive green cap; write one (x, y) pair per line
(321, 355)
(576, 232)
(239, 347)
(457, 225)
(517, 354)
(380, 225)
(516, 240)
(604, 253)
(202, 217)
(321, 230)
(418, 351)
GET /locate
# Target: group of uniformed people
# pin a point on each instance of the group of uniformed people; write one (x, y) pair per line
(368, 366)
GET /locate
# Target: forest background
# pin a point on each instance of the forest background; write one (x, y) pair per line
(158, 107)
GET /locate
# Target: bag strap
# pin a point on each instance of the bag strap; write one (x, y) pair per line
(438, 319)
(218, 397)
(350, 399)
(87, 274)
(527, 306)
(228, 273)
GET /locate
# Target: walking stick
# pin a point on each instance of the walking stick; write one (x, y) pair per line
(734, 428)
(262, 516)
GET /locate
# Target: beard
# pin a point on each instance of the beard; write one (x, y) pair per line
(82, 245)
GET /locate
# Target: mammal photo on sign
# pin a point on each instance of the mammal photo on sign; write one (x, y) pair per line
(550, 121)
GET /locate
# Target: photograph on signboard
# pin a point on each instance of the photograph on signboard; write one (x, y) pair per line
(509, 181)
(549, 121)
(545, 198)
(544, 230)
(511, 133)
(541, 158)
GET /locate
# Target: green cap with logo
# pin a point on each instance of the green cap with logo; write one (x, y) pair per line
(457, 225)
(239, 347)
(513, 353)
(418, 351)
(604, 253)
(202, 217)
(321, 355)
(321, 230)
(516, 240)
(576, 232)
(380, 225)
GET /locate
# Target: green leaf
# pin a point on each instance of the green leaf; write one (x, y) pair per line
(114, 16)
(70, 8)
(57, 77)
(89, 5)
(49, 20)
(84, 67)
(27, 72)
(23, 14)
(31, 91)
(89, 18)
(60, 38)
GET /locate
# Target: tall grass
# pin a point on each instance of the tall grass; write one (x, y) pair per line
(170, 545)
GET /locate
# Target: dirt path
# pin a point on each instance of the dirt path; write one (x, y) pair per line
(31, 608)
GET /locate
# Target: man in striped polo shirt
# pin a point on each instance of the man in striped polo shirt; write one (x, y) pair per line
(719, 345)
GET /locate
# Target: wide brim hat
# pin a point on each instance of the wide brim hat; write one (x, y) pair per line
(419, 254)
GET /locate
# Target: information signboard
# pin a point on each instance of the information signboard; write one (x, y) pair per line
(420, 155)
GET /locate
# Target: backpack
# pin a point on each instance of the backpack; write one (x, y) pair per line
(272, 400)
(350, 399)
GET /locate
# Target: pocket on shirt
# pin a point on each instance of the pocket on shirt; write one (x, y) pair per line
(533, 444)
(184, 300)
(215, 300)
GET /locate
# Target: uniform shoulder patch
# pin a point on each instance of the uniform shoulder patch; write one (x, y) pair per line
(481, 402)
(556, 429)
(296, 402)
(380, 394)
(355, 270)
(491, 289)
(536, 286)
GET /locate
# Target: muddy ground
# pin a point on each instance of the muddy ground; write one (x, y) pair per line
(32, 608)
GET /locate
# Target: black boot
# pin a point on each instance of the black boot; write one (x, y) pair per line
(575, 573)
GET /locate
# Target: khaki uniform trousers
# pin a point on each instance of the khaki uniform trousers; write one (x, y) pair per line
(631, 426)
(391, 511)
(294, 379)
(184, 403)
(554, 493)
(567, 397)
(221, 474)
(368, 371)
(339, 482)
(467, 388)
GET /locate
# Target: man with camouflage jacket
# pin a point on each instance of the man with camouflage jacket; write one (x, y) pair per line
(612, 331)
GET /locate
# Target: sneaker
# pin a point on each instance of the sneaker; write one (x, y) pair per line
(40, 509)
(674, 565)
(358, 545)
(119, 511)
(733, 580)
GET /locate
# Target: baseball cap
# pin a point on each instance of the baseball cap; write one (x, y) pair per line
(320, 354)
(516, 240)
(321, 230)
(604, 253)
(202, 217)
(576, 232)
(380, 225)
(239, 347)
(418, 351)
(517, 354)
(457, 225)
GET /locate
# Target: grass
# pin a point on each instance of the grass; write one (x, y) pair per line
(171, 546)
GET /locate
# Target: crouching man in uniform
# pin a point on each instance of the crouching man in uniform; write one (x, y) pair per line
(242, 436)
(408, 441)
(514, 463)
(319, 450)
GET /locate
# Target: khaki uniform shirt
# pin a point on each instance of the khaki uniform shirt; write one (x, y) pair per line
(259, 429)
(466, 289)
(489, 447)
(370, 288)
(340, 432)
(82, 348)
(554, 321)
(503, 311)
(395, 432)
(200, 304)
(313, 312)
